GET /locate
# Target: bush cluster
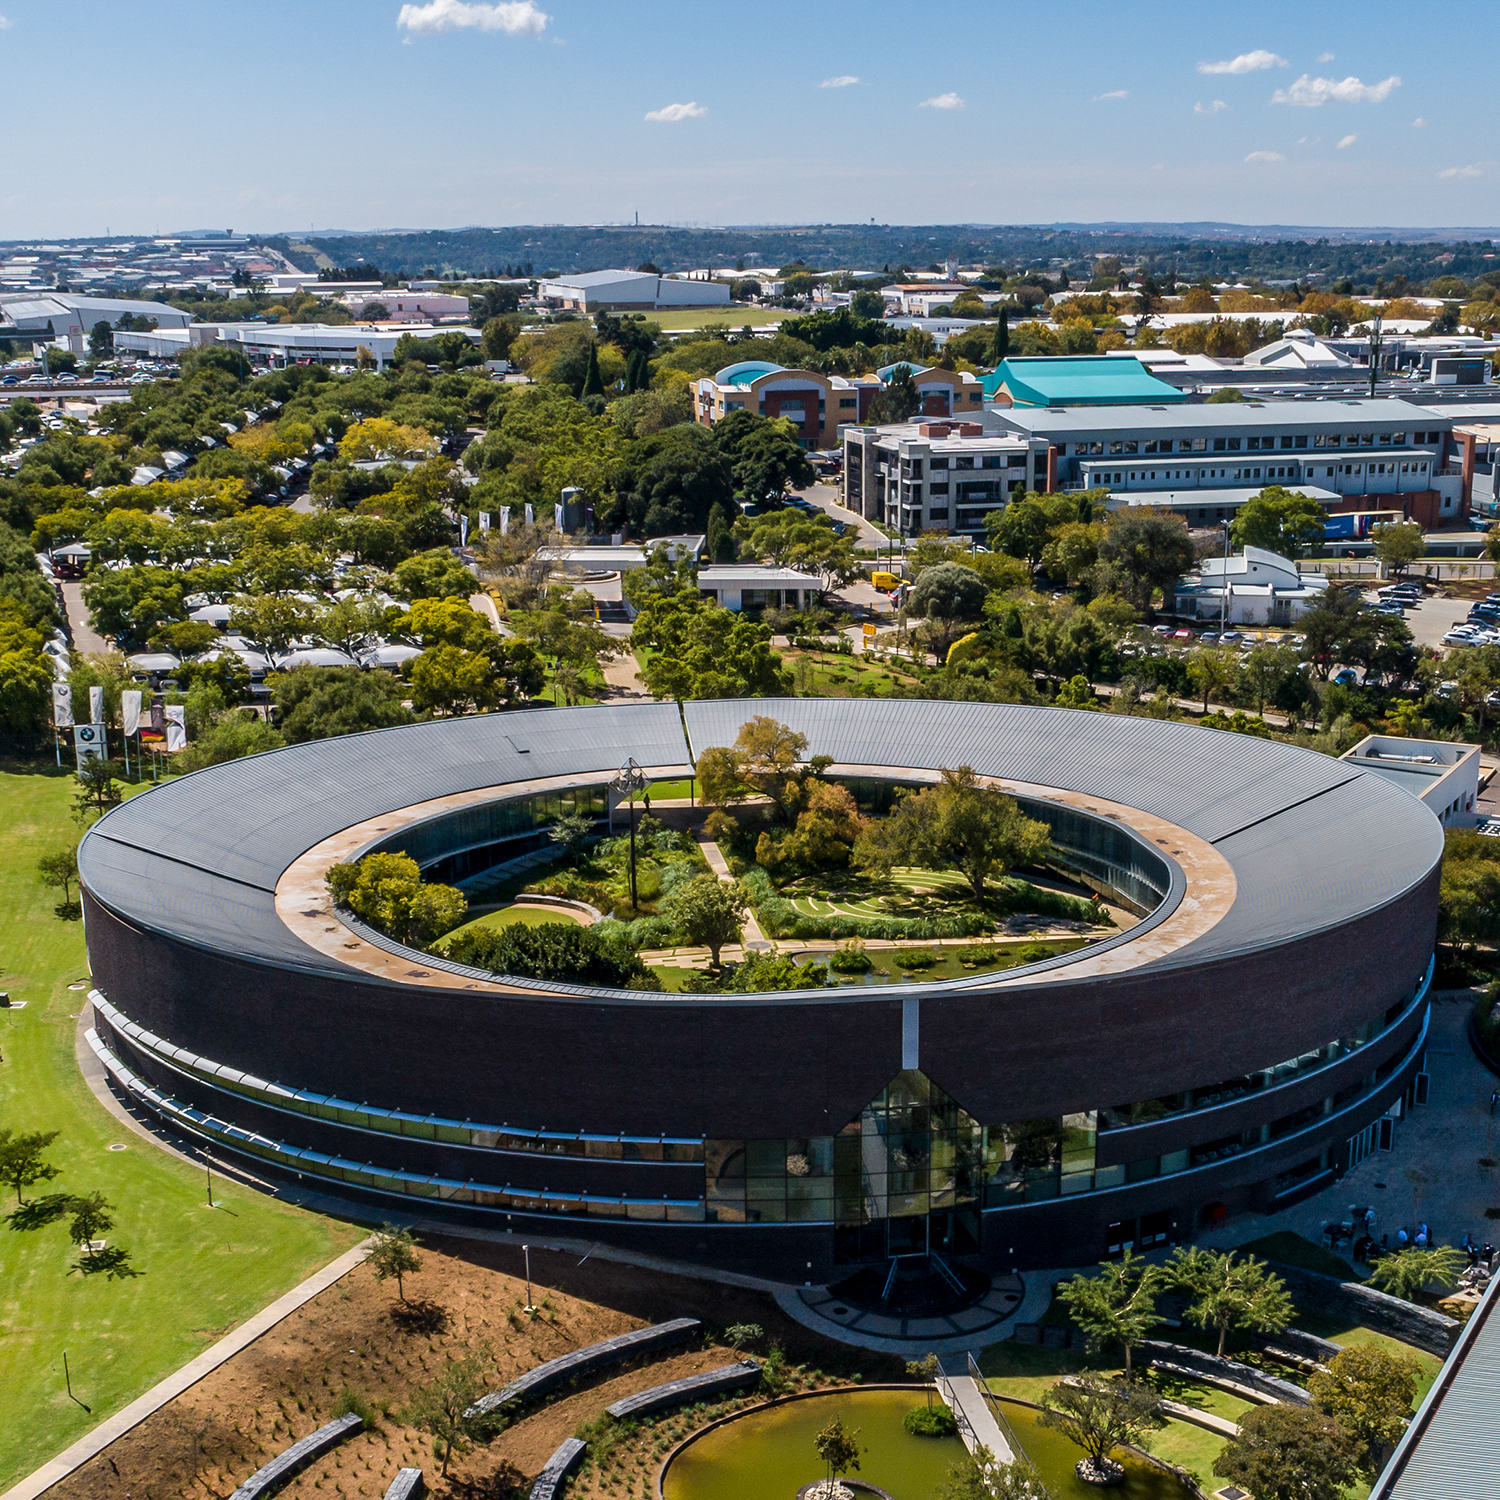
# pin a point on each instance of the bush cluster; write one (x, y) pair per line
(560, 951)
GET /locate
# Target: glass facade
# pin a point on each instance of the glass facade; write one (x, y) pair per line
(471, 839)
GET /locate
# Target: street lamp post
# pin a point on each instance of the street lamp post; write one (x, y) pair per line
(629, 780)
(526, 1251)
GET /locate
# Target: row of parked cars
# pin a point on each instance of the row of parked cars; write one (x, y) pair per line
(1482, 627)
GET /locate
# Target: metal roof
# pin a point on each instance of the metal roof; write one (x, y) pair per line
(1314, 842)
(1089, 380)
(1229, 415)
(1449, 1450)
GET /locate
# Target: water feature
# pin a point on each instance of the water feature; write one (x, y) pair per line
(768, 1455)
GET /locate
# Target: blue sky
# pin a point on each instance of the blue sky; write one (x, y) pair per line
(286, 114)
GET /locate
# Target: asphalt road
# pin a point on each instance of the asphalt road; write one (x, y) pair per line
(1431, 620)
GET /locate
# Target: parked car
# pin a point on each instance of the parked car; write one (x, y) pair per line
(1346, 677)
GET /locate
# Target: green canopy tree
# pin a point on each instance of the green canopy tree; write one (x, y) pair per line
(1369, 1392)
(697, 649)
(1099, 1416)
(394, 1253)
(1398, 545)
(840, 1450)
(1116, 1305)
(709, 911)
(22, 1162)
(1231, 1293)
(316, 703)
(388, 892)
(1278, 520)
(1408, 1273)
(446, 1407)
(1150, 549)
(959, 824)
(1287, 1453)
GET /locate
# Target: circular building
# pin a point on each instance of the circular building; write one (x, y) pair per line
(1234, 1048)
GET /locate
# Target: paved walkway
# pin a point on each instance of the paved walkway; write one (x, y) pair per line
(189, 1375)
(621, 679)
(754, 937)
(84, 638)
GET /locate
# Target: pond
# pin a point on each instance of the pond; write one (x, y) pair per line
(768, 1455)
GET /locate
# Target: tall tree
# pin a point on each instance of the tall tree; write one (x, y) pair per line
(1231, 1293)
(1151, 549)
(22, 1164)
(1116, 1305)
(959, 824)
(1099, 1416)
(707, 910)
(1286, 1453)
(593, 381)
(1279, 520)
(1001, 346)
(1368, 1391)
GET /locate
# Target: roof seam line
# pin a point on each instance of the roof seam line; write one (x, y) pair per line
(188, 864)
(1291, 806)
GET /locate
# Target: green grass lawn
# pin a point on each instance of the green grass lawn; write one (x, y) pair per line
(201, 1271)
(510, 916)
(735, 317)
(1293, 1249)
(830, 674)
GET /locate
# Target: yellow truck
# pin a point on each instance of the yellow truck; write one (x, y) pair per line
(886, 581)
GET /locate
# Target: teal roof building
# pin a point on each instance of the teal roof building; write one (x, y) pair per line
(1083, 380)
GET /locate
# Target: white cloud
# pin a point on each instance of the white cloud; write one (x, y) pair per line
(942, 101)
(1418, 123)
(1325, 57)
(1113, 94)
(1473, 170)
(1313, 92)
(1347, 141)
(841, 82)
(514, 17)
(670, 114)
(1265, 156)
(1210, 109)
(1246, 62)
(6, 23)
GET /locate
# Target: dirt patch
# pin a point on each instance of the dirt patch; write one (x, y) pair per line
(357, 1339)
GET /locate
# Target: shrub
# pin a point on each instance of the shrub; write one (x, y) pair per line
(851, 958)
(914, 958)
(560, 951)
(936, 1421)
(978, 954)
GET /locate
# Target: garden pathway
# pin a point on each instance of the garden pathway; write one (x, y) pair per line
(754, 937)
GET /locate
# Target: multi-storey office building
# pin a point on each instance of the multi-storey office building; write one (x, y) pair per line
(1200, 460)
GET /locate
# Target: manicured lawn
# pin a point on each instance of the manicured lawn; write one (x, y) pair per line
(200, 1271)
(510, 916)
(736, 317)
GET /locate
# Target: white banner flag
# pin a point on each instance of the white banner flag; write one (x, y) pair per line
(96, 705)
(62, 705)
(176, 727)
(557, 516)
(130, 711)
(529, 518)
(484, 522)
(504, 519)
(463, 531)
(88, 743)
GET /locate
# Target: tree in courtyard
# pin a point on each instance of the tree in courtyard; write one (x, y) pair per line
(1231, 1293)
(978, 1476)
(1099, 1415)
(768, 759)
(1369, 1392)
(1278, 520)
(958, 824)
(950, 597)
(927, 1369)
(98, 789)
(1150, 550)
(1409, 1272)
(22, 1164)
(388, 892)
(839, 1448)
(707, 910)
(59, 871)
(1398, 545)
(571, 832)
(718, 773)
(446, 1409)
(1288, 1453)
(92, 1216)
(1116, 1305)
(394, 1253)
